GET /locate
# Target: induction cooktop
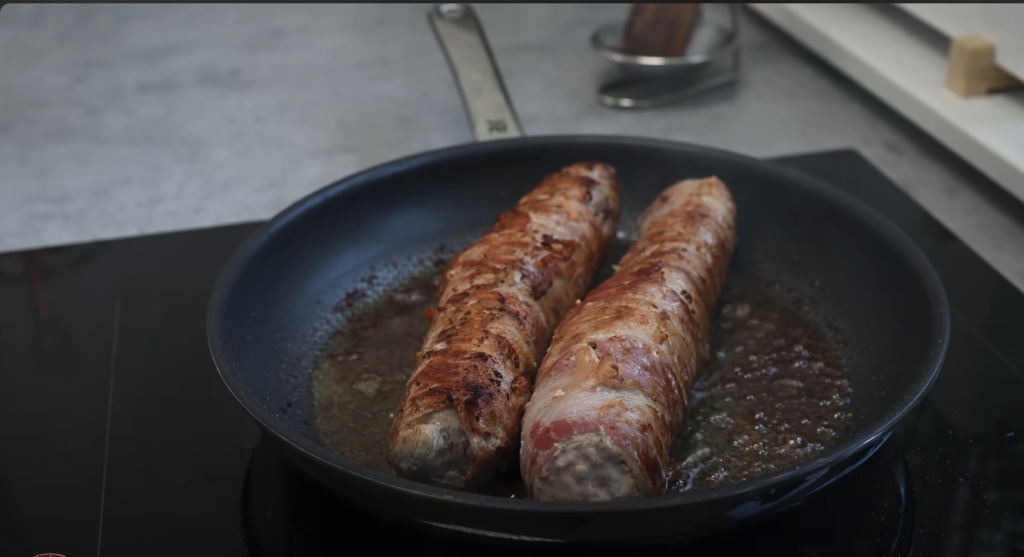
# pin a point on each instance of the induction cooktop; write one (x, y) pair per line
(119, 437)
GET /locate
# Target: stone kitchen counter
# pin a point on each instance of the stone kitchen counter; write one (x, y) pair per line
(119, 120)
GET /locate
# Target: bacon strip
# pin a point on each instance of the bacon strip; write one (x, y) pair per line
(500, 301)
(613, 387)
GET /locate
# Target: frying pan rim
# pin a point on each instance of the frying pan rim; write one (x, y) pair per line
(889, 233)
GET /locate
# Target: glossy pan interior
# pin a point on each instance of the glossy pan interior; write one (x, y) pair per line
(272, 309)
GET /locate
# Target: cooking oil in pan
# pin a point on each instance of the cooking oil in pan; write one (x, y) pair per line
(773, 394)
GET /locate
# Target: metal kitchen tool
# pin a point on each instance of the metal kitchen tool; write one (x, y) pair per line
(712, 60)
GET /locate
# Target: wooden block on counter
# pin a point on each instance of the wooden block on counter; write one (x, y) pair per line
(971, 69)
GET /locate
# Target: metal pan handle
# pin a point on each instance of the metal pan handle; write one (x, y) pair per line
(469, 57)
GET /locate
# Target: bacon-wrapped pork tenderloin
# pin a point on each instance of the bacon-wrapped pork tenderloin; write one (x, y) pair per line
(500, 301)
(612, 389)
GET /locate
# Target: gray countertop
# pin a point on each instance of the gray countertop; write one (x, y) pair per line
(118, 120)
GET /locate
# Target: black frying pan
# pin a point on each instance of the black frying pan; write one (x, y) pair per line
(270, 315)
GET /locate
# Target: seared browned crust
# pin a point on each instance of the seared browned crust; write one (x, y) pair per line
(500, 301)
(613, 387)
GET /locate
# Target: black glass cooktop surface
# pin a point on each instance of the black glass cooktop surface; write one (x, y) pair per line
(119, 437)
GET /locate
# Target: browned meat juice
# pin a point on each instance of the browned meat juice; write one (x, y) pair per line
(773, 394)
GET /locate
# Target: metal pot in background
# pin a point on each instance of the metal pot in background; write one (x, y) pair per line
(710, 57)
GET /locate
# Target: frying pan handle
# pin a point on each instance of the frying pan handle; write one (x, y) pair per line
(469, 56)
